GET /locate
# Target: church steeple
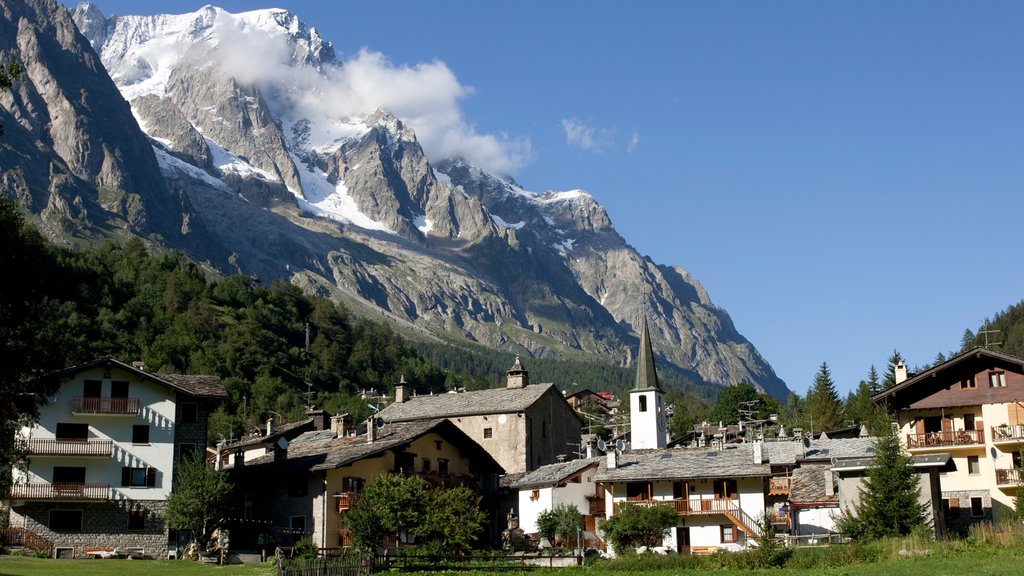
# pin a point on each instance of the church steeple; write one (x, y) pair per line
(646, 399)
(646, 374)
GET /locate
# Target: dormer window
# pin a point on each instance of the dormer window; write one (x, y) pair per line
(996, 380)
(968, 383)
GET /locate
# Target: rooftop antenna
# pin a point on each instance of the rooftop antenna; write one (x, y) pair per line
(986, 333)
(309, 394)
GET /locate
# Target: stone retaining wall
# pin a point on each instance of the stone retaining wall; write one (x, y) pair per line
(104, 525)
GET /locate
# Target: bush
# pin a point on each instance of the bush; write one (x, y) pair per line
(636, 526)
(305, 548)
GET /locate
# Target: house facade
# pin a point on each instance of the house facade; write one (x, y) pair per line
(523, 426)
(566, 483)
(972, 407)
(307, 486)
(103, 452)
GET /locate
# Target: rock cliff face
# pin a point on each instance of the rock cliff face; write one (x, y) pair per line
(236, 176)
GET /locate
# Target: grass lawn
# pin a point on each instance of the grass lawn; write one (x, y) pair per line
(19, 566)
(954, 561)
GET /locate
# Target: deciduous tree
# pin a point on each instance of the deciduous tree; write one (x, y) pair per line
(634, 526)
(201, 495)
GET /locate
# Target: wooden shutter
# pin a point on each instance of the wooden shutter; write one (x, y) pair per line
(947, 425)
(919, 428)
(151, 477)
(954, 507)
(126, 476)
(979, 425)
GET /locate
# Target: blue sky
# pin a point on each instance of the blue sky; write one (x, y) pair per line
(844, 178)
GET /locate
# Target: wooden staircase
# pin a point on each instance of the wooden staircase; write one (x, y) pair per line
(745, 523)
(22, 537)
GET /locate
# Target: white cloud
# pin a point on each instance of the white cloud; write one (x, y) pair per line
(426, 95)
(634, 141)
(581, 134)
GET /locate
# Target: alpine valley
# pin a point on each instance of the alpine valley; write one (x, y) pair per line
(156, 127)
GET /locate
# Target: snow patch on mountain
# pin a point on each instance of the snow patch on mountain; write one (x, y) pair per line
(322, 198)
(171, 167)
(500, 222)
(424, 224)
(227, 162)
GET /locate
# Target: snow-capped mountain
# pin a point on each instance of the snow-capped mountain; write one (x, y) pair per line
(265, 161)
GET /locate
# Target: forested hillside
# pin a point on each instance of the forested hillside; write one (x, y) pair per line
(66, 307)
(1006, 329)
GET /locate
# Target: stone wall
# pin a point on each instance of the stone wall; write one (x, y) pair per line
(104, 525)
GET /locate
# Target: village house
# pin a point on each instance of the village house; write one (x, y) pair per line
(102, 458)
(523, 426)
(306, 487)
(566, 483)
(970, 407)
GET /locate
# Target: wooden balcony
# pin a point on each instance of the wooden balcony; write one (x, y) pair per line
(105, 405)
(1007, 477)
(68, 447)
(781, 521)
(596, 506)
(1008, 435)
(704, 507)
(945, 439)
(346, 500)
(778, 486)
(60, 491)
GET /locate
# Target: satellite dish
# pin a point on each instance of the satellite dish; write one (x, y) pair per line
(620, 445)
(601, 445)
(282, 443)
(378, 422)
(807, 442)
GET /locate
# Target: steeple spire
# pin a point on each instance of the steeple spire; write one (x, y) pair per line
(646, 375)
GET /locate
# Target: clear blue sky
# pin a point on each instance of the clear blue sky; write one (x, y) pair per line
(844, 178)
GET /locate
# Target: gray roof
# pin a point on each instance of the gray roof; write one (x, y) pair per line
(807, 484)
(554, 473)
(790, 451)
(476, 402)
(646, 373)
(200, 386)
(320, 450)
(733, 461)
(288, 430)
(940, 460)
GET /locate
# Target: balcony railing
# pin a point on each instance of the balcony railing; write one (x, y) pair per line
(68, 447)
(939, 439)
(778, 486)
(60, 491)
(346, 500)
(686, 507)
(596, 506)
(1013, 433)
(105, 405)
(1007, 477)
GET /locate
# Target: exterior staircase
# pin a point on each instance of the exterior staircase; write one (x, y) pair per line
(24, 538)
(745, 523)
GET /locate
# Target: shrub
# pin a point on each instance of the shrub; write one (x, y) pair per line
(305, 548)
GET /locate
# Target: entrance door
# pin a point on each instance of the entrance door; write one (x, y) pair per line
(683, 540)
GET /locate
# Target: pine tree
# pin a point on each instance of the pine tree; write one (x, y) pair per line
(873, 382)
(823, 410)
(890, 370)
(859, 408)
(890, 496)
(967, 341)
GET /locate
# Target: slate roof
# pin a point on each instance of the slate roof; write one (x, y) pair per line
(320, 450)
(790, 451)
(646, 373)
(289, 429)
(807, 485)
(472, 403)
(554, 473)
(734, 461)
(941, 460)
(929, 376)
(191, 384)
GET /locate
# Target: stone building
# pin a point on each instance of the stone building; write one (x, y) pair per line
(523, 426)
(102, 456)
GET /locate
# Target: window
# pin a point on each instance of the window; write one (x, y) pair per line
(636, 490)
(968, 383)
(298, 525)
(140, 434)
(141, 477)
(442, 466)
(352, 484)
(72, 431)
(951, 507)
(65, 520)
(996, 380)
(643, 403)
(189, 412)
(973, 465)
(69, 475)
(404, 462)
(726, 489)
(425, 466)
(488, 433)
(968, 421)
(186, 451)
(136, 520)
(437, 444)
(119, 389)
(728, 533)
(977, 507)
(92, 389)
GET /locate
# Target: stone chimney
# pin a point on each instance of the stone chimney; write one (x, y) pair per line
(239, 459)
(371, 430)
(218, 464)
(900, 372)
(613, 459)
(321, 421)
(758, 449)
(517, 376)
(400, 391)
(281, 449)
(270, 426)
(342, 426)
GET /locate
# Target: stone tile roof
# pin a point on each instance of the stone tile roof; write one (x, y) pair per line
(734, 461)
(197, 385)
(320, 450)
(789, 452)
(287, 430)
(554, 473)
(807, 484)
(476, 402)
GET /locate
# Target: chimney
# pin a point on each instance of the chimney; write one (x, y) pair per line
(239, 459)
(371, 430)
(560, 458)
(900, 372)
(758, 452)
(270, 426)
(400, 392)
(321, 421)
(829, 486)
(517, 376)
(613, 459)
(139, 365)
(218, 464)
(281, 449)
(341, 425)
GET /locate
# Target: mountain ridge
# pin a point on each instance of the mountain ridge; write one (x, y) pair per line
(253, 184)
